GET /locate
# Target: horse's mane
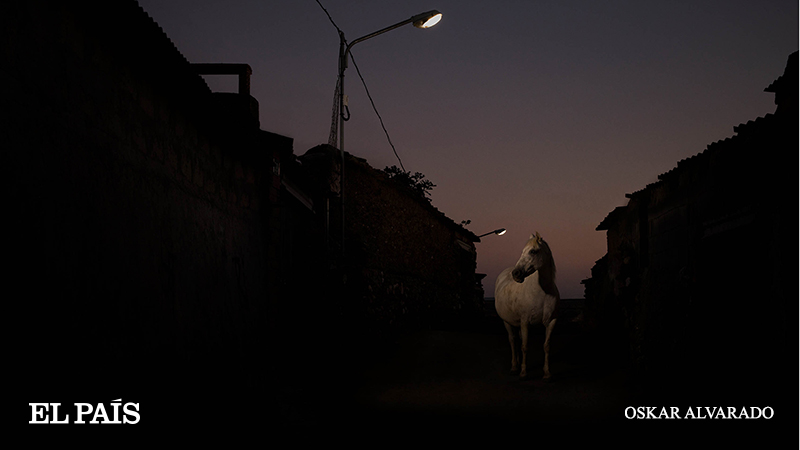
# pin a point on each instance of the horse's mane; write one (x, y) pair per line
(547, 273)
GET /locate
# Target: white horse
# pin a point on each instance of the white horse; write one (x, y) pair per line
(526, 295)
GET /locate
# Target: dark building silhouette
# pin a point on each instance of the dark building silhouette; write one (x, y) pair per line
(167, 250)
(406, 264)
(699, 283)
(146, 249)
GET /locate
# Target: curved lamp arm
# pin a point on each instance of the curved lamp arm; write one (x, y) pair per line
(499, 232)
(424, 20)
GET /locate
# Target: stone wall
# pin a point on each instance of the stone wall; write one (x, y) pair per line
(142, 236)
(407, 264)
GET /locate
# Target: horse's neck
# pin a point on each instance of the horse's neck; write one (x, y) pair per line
(547, 280)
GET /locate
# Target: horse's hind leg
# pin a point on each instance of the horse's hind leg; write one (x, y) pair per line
(512, 341)
(548, 330)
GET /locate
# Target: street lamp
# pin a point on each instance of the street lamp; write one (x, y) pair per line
(424, 20)
(499, 232)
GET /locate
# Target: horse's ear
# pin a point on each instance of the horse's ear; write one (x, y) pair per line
(531, 237)
(538, 237)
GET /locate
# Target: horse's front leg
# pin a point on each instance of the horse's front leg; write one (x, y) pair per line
(548, 330)
(523, 333)
(512, 342)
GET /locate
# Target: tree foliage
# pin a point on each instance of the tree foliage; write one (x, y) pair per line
(416, 181)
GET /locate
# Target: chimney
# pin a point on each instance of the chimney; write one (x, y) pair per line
(785, 87)
(242, 70)
(234, 108)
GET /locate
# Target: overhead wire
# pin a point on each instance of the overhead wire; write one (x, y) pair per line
(334, 122)
(334, 132)
(377, 113)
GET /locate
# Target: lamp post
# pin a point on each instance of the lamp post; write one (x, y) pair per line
(424, 20)
(499, 232)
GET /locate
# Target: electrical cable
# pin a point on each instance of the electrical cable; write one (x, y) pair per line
(332, 136)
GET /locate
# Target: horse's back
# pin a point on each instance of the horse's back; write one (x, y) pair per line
(504, 297)
(502, 281)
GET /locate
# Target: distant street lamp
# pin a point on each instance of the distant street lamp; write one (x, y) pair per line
(424, 20)
(499, 232)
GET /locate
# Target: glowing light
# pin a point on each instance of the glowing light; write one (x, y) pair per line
(427, 20)
(432, 21)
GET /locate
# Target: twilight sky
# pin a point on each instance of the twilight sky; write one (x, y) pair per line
(532, 116)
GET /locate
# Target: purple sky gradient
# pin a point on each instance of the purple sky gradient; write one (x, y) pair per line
(533, 116)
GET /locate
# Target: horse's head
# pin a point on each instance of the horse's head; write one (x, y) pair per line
(534, 257)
